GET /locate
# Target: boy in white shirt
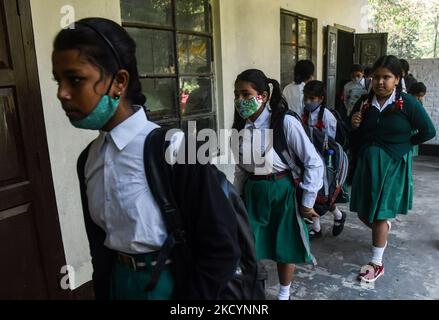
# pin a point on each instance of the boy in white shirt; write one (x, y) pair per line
(355, 89)
(293, 93)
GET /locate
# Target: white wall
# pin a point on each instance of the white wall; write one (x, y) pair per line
(250, 36)
(65, 142)
(427, 71)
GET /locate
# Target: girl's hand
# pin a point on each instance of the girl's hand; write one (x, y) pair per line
(357, 118)
(308, 213)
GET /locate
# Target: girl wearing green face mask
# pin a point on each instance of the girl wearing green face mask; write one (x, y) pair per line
(95, 66)
(278, 225)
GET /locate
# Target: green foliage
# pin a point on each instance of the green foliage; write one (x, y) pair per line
(412, 26)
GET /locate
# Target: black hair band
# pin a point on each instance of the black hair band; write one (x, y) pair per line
(106, 40)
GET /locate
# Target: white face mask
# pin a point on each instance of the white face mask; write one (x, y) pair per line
(358, 79)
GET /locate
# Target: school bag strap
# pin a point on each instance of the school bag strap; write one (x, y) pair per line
(280, 144)
(158, 173)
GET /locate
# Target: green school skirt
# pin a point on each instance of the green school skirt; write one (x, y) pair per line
(127, 284)
(415, 151)
(272, 212)
(382, 186)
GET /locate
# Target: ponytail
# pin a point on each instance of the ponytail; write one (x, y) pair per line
(277, 101)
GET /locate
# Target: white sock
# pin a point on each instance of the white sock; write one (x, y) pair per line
(377, 255)
(316, 224)
(337, 214)
(284, 292)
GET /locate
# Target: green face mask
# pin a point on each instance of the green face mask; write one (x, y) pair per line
(101, 114)
(247, 108)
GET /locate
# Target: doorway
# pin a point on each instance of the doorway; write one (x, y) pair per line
(31, 248)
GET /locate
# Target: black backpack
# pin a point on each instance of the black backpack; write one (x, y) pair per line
(248, 282)
(334, 175)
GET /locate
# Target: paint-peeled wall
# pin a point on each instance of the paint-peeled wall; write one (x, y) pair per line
(65, 142)
(250, 36)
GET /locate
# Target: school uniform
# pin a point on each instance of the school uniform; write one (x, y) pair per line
(329, 121)
(280, 232)
(293, 94)
(124, 224)
(382, 184)
(353, 91)
(330, 128)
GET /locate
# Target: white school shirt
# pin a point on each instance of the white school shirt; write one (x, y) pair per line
(329, 121)
(388, 102)
(119, 196)
(404, 86)
(298, 143)
(293, 93)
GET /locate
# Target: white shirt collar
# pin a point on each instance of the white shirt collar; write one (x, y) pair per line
(389, 101)
(261, 120)
(126, 131)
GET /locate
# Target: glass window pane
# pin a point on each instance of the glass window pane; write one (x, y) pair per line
(195, 95)
(304, 54)
(155, 53)
(194, 54)
(160, 96)
(157, 12)
(193, 15)
(203, 123)
(288, 29)
(305, 33)
(288, 62)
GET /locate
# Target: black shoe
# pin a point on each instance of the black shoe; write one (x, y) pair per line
(315, 234)
(339, 225)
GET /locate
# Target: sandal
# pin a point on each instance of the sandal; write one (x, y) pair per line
(371, 272)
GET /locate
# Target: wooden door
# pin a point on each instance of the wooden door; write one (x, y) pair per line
(31, 251)
(369, 47)
(331, 65)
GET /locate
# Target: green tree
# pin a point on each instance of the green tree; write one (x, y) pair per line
(412, 26)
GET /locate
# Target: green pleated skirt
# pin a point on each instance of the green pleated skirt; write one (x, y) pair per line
(272, 212)
(128, 284)
(382, 187)
(415, 151)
